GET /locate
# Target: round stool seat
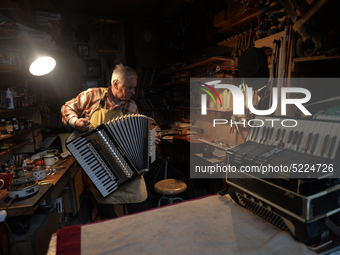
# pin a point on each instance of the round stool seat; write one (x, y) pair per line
(170, 187)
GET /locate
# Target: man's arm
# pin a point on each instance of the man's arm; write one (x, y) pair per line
(74, 108)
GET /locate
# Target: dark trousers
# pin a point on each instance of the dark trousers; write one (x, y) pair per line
(107, 211)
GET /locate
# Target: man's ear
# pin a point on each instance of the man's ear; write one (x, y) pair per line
(115, 84)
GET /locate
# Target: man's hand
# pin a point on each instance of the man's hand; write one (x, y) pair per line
(158, 137)
(82, 124)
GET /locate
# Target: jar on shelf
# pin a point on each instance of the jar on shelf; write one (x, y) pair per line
(32, 100)
(9, 127)
(15, 125)
(24, 101)
(17, 102)
(29, 123)
(4, 144)
(21, 122)
(3, 126)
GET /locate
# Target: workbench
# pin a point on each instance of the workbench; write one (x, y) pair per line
(39, 210)
(51, 190)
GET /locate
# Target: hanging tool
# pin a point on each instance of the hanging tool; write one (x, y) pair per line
(299, 24)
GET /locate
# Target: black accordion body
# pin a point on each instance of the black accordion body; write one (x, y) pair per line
(303, 205)
(116, 152)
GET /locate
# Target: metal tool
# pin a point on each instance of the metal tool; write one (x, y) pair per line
(299, 24)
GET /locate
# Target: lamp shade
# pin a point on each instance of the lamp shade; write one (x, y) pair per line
(42, 66)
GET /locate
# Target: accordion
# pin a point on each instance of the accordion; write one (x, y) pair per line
(116, 152)
(304, 203)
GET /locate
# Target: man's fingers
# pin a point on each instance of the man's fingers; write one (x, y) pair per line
(82, 124)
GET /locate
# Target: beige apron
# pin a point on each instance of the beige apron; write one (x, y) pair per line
(130, 192)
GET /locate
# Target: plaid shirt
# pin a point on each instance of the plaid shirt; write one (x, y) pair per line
(88, 101)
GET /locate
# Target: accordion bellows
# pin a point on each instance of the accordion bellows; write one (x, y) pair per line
(116, 152)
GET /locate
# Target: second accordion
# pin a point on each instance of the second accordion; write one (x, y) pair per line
(116, 152)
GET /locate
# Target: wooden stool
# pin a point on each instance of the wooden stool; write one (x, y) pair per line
(169, 188)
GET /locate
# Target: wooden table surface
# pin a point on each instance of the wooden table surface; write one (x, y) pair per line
(54, 184)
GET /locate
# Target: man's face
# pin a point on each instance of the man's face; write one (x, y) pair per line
(125, 89)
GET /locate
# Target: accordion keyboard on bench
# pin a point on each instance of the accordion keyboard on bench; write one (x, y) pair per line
(300, 199)
(116, 152)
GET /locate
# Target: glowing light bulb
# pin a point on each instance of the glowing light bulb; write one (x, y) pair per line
(42, 66)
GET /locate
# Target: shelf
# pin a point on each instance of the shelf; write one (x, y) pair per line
(4, 68)
(8, 38)
(14, 148)
(316, 58)
(306, 64)
(21, 132)
(239, 23)
(232, 41)
(12, 11)
(17, 109)
(205, 63)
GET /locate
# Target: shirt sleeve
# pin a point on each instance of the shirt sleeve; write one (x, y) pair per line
(74, 108)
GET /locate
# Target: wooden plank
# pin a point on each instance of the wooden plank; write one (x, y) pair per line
(268, 41)
(316, 58)
(304, 64)
(15, 147)
(239, 23)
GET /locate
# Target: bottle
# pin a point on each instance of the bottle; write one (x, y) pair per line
(21, 123)
(3, 145)
(9, 99)
(3, 126)
(15, 125)
(24, 121)
(9, 127)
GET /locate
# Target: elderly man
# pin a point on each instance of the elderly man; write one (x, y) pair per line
(99, 105)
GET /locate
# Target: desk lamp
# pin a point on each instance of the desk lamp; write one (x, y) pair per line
(42, 66)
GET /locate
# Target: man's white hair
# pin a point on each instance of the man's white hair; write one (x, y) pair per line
(123, 71)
